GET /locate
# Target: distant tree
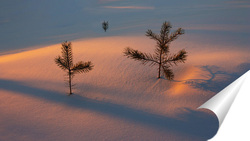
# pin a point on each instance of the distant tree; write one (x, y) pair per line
(161, 56)
(65, 62)
(105, 25)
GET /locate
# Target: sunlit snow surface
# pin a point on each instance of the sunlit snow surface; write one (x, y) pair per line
(120, 99)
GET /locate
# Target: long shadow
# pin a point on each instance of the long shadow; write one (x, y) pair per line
(215, 85)
(189, 122)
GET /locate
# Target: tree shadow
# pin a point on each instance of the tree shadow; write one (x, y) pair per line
(218, 79)
(200, 124)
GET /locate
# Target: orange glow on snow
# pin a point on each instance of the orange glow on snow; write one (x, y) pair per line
(114, 75)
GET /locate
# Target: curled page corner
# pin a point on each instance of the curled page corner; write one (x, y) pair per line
(233, 101)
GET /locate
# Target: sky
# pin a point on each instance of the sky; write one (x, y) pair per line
(31, 23)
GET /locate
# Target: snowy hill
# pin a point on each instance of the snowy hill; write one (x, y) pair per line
(120, 99)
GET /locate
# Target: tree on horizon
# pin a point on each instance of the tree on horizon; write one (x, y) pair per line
(65, 62)
(161, 56)
(105, 25)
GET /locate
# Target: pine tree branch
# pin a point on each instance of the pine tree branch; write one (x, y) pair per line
(168, 73)
(175, 35)
(61, 63)
(180, 57)
(82, 67)
(152, 35)
(67, 53)
(165, 49)
(139, 56)
(166, 26)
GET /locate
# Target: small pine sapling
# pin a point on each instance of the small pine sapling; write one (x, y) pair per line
(65, 62)
(161, 56)
(105, 25)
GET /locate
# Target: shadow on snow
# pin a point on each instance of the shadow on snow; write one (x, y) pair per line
(217, 79)
(189, 122)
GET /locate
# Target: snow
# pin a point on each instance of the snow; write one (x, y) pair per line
(120, 99)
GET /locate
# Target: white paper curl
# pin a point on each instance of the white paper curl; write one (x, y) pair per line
(232, 108)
